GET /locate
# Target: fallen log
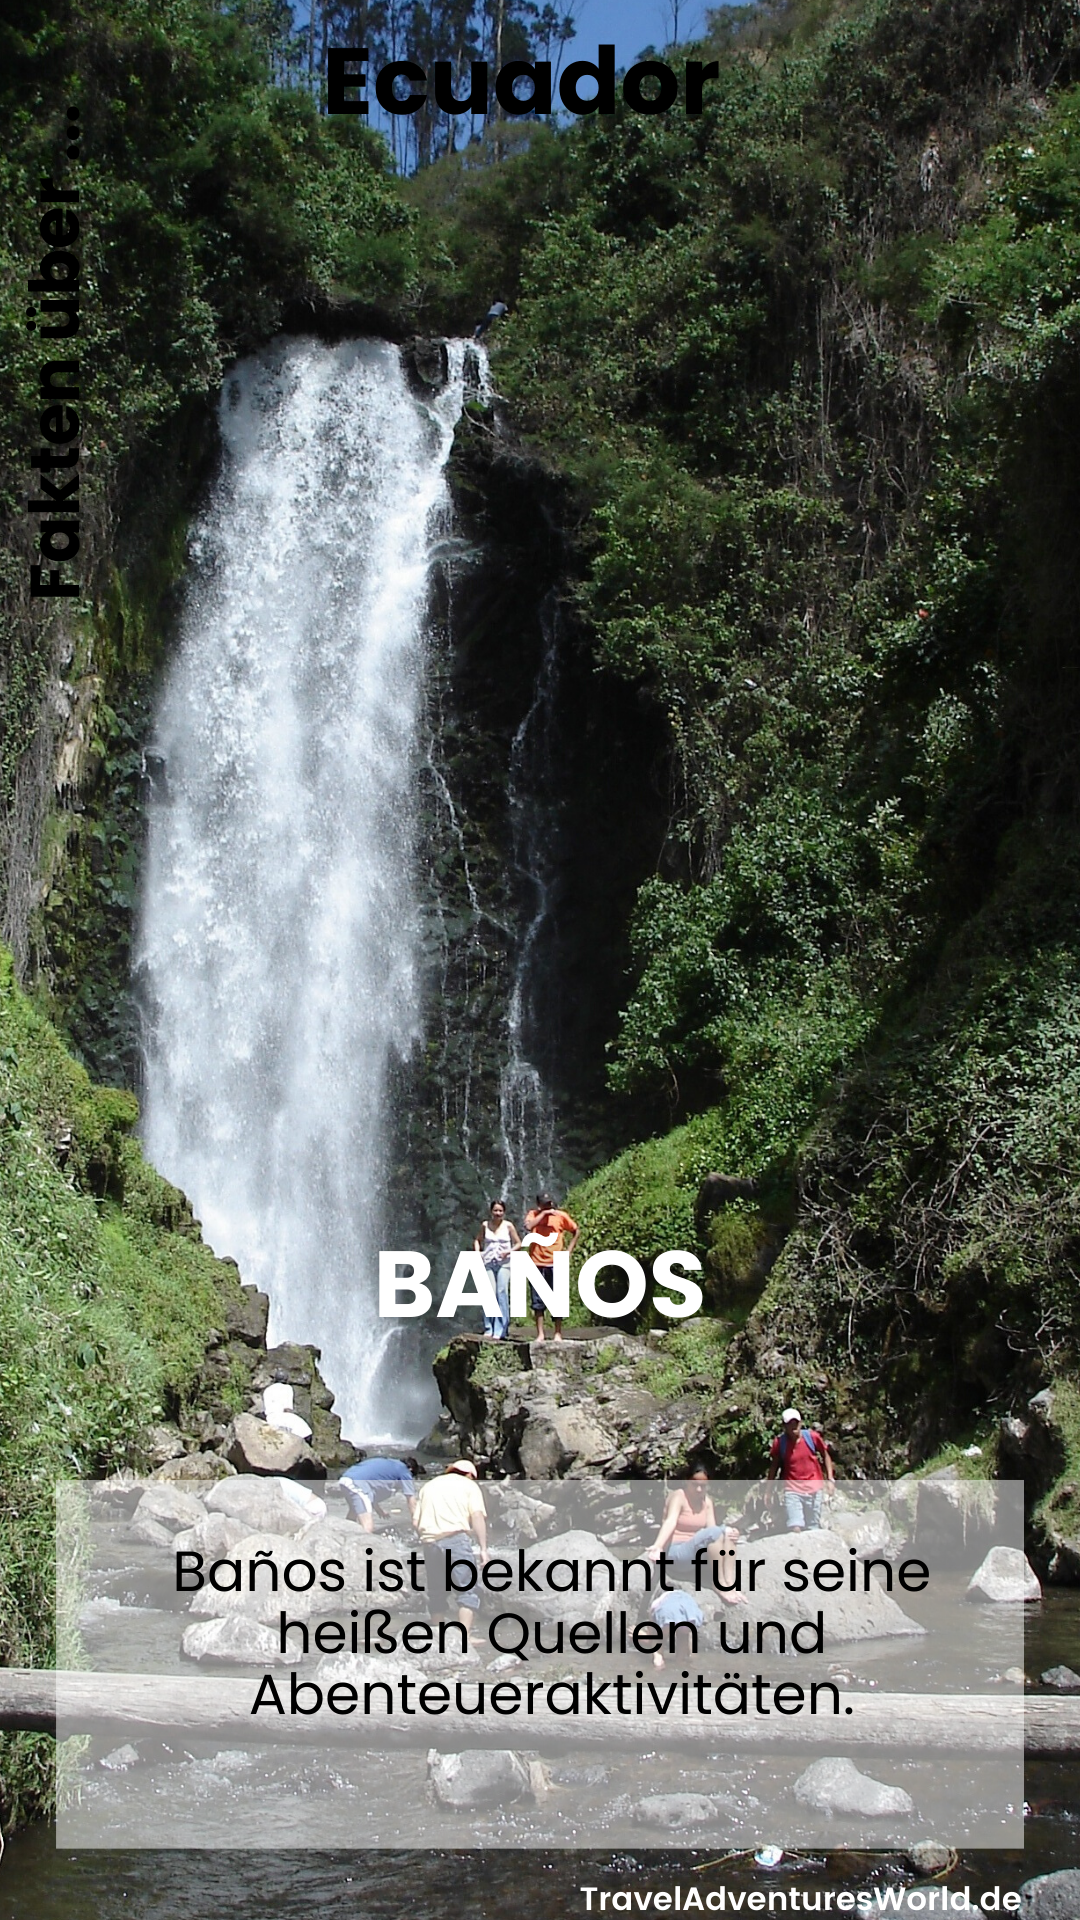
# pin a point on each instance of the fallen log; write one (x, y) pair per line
(133, 1705)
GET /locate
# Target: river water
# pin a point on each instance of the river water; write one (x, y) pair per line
(39, 1882)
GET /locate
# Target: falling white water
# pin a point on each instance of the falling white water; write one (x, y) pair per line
(526, 1115)
(278, 941)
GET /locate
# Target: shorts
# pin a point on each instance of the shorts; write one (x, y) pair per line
(463, 1547)
(682, 1550)
(802, 1507)
(538, 1305)
(359, 1500)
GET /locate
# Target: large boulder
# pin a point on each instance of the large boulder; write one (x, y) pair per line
(1052, 1896)
(238, 1640)
(214, 1536)
(872, 1614)
(491, 1779)
(267, 1563)
(194, 1468)
(836, 1786)
(255, 1447)
(869, 1533)
(172, 1508)
(557, 1441)
(1004, 1576)
(565, 1410)
(954, 1518)
(259, 1503)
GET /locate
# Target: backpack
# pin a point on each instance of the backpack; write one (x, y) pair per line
(785, 1444)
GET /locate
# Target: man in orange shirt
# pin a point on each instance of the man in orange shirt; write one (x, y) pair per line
(550, 1224)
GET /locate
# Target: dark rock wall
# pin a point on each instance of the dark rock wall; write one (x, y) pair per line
(574, 813)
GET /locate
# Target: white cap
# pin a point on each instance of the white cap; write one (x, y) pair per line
(791, 1413)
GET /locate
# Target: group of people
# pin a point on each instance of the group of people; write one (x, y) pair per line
(448, 1512)
(546, 1228)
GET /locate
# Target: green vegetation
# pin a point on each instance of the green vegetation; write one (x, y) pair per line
(495, 1360)
(691, 1359)
(808, 363)
(811, 364)
(210, 199)
(106, 1297)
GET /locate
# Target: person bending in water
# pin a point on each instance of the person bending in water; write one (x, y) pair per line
(370, 1482)
(689, 1528)
(495, 1242)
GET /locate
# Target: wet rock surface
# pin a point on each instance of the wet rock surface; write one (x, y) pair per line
(1052, 1896)
(676, 1810)
(836, 1786)
(478, 1779)
(567, 1409)
(1005, 1576)
(1062, 1679)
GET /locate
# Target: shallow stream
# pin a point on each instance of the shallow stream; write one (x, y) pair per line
(38, 1882)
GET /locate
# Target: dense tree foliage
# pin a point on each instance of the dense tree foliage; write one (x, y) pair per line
(812, 360)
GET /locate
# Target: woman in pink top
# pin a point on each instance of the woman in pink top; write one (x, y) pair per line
(689, 1528)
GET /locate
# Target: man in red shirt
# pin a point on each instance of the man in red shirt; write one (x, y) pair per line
(804, 1464)
(549, 1224)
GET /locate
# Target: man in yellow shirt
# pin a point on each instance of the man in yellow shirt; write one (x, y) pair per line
(451, 1517)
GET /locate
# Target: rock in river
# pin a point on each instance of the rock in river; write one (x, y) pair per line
(1053, 1896)
(261, 1505)
(478, 1779)
(1005, 1575)
(165, 1507)
(675, 1810)
(1061, 1678)
(237, 1639)
(837, 1786)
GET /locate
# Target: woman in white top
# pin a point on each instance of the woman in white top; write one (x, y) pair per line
(495, 1242)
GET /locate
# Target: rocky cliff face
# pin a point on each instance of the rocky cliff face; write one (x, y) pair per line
(543, 796)
(591, 1405)
(219, 1427)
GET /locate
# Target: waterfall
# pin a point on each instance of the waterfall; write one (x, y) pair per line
(526, 1116)
(277, 949)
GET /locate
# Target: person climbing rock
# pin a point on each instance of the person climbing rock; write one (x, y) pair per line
(495, 1241)
(802, 1459)
(497, 310)
(549, 1223)
(689, 1530)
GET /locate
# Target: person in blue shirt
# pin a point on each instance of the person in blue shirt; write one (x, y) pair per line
(371, 1481)
(497, 311)
(668, 1609)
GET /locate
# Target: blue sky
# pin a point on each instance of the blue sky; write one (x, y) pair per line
(632, 25)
